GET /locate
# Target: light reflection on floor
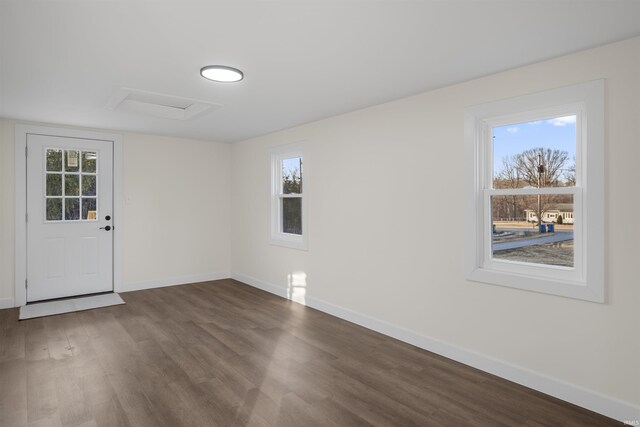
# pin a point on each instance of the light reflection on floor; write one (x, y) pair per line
(297, 286)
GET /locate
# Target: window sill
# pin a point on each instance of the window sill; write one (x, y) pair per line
(564, 288)
(292, 241)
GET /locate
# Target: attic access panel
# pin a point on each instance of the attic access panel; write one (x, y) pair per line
(158, 105)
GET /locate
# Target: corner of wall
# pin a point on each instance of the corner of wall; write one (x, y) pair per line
(7, 212)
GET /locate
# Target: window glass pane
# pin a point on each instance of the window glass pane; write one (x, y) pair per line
(89, 161)
(71, 185)
(71, 209)
(54, 184)
(292, 175)
(88, 185)
(54, 209)
(89, 209)
(535, 154)
(517, 236)
(292, 215)
(71, 161)
(54, 160)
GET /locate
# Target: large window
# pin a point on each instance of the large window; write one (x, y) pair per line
(536, 192)
(288, 201)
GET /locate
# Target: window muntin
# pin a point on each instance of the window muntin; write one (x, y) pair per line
(291, 195)
(288, 221)
(533, 182)
(70, 188)
(292, 215)
(514, 240)
(536, 154)
(292, 175)
(490, 192)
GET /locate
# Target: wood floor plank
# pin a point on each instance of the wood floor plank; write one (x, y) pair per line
(36, 340)
(109, 413)
(132, 400)
(294, 411)
(257, 409)
(13, 392)
(339, 415)
(374, 406)
(204, 408)
(13, 344)
(42, 400)
(225, 354)
(72, 409)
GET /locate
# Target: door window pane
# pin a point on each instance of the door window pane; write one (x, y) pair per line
(54, 209)
(88, 185)
(54, 184)
(292, 215)
(89, 209)
(54, 160)
(75, 183)
(535, 154)
(517, 236)
(71, 161)
(71, 185)
(292, 176)
(71, 209)
(89, 161)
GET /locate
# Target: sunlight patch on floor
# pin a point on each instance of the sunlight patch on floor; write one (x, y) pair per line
(297, 286)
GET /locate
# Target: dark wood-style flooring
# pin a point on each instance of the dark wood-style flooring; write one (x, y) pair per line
(225, 354)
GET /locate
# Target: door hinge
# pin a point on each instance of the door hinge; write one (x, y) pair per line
(26, 217)
(26, 151)
(26, 284)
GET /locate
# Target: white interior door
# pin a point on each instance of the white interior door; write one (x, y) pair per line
(69, 216)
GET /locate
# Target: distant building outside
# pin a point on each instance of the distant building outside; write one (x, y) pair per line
(551, 213)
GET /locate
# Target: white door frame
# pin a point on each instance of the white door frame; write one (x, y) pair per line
(21, 132)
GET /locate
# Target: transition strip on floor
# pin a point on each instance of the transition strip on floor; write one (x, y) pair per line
(51, 308)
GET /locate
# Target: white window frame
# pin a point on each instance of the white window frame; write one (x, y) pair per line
(586, 280)
(277, 236)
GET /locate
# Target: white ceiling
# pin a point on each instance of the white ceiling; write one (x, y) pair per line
(60, 62)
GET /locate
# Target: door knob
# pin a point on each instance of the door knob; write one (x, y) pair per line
(107, 228)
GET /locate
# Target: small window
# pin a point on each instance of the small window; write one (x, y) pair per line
(536, 176)
(70, 185)
(288, 200)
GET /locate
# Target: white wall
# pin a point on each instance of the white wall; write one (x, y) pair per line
(386, 215)
(7, 209)
(176, 212)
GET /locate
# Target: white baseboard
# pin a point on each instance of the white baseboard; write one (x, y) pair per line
(589, 399)
(257, 283)
(160, 283)
(6, 303)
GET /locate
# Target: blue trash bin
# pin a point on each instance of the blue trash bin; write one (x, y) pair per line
(550, 228)
(543, 228)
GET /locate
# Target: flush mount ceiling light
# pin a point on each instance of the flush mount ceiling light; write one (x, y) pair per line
(221, 73)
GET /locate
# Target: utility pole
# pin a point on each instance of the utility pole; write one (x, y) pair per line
(540, 172)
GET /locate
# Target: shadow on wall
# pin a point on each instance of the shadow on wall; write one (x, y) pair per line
(297, 286)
